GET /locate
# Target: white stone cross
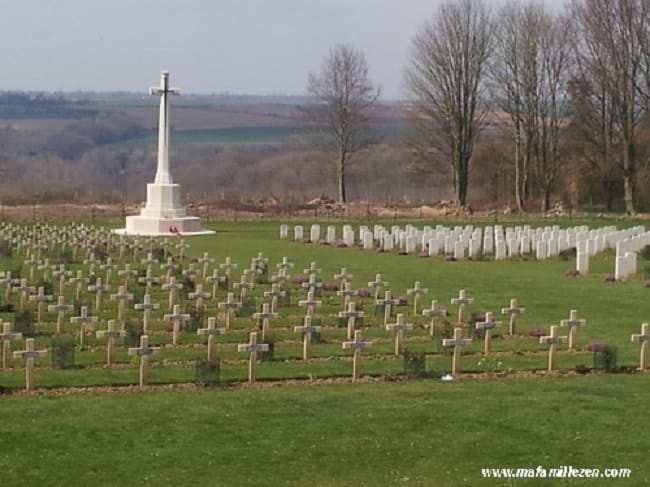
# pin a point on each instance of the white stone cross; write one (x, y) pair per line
(215, 279)
(143, 351)
(285, 264)
(343, 276)
(206, 260)
(243, 287)
(29, 354)
(514, 311)
(8, 281)
(417, 291)
(24, 291)
(310, 303)
(457, 342)
(108, 268)
(149, 261)
(83, 320)
(148, 280)
(488, 324)
(62, 274)
(172, 286)
(274, 294)
(573, 323)
(168, 268)
(7, 337)
(90, 262)
(399, 327)
(306, 329)
(435, 312)
(163, 174)
(264, 317)
(41, 298)
(79, 281)
(191, 271)
(461, 301)
(252, 347)
(228, 266)
(176, 318)
(111, 333)
(357, 345)
(182, 247)
(230, 305)
(260, 260)
(351, 314)
(31, 263)
(199, 295)
(388, 302)
(280, 278)
(61, 309)
(211, 331)
(643, 338)
(128, 274)
(553, 339)
(347, 292)
(377, 284)
(146, 308)
(312, 270)
(122, 296)
(312, 284)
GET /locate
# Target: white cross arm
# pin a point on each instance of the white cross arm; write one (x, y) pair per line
(512, 311)
(356, 345)
(29, 353)
(143, 351)
(110, 333)
(452, 342)
(246, 347)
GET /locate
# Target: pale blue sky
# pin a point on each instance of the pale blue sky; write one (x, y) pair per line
(209, 46)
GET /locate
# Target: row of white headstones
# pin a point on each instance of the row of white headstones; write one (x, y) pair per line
(497, 241)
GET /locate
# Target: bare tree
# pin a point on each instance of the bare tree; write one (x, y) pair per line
(610, 47)
(445, 78)
(342, 93)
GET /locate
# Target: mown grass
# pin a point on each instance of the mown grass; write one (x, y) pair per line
(422, 432)
(415, 433)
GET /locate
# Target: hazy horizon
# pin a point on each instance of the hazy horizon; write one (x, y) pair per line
(246, 47)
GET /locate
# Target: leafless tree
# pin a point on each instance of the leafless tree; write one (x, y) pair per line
(611, 46)
(446, 79)
(342, 92)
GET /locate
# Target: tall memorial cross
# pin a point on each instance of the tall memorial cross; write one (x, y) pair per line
(144, 351)
(29, 354)
(128, 274)
(163, 174)
(252, 348)
(211, 332)
(284, 264)
(514, 311)
(388, 302)
(146, 308)
(149, 280)
(310, 303)
(243, 285)
(462, 300)
(274, 294)
(312, 284)
(111, 334)
(357, 345)
(488, 324)
(351, 314)
(149, 261)
(31, 262)
(457, 342)
(643, 338)
(122, 297)
(377, 284)
(435, 313)
(227, 267)
(172, 286)
(264, 317)
(83, 320)
(280, 278)
(62, 274)
(7, 337)
(417, 292)
(399, 327)
(573, 323)
(306, 329)
(553, 340)
(312, 270)
(176, 318)
(230, 305)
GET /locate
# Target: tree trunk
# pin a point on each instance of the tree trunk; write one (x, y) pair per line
(341, 179)
(629, 186)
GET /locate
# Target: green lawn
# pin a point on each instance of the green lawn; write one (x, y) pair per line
(420, 432)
